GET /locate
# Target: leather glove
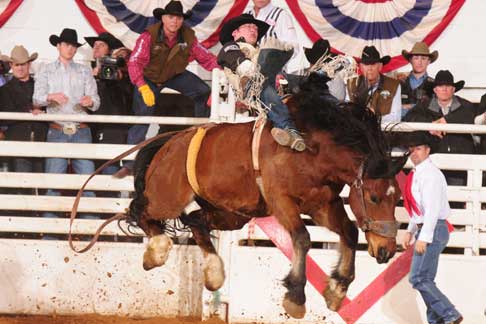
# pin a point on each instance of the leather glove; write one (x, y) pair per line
(231, 56)
(147, 95)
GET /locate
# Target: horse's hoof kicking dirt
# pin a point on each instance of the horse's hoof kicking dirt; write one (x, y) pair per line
(294, 310)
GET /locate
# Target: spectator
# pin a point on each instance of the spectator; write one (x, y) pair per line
(322, 48)
(16, 96)
(159, 60)
(446, 107)
(4, 67)
(282, 28)
(416, 86)
(426, 201)
(114, 89)
(375, 90)
(67, 87)
(244, 32)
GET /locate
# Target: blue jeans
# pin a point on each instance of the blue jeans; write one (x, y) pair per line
(422, 275)
(186, 83)
(59, 165)
(279, 112)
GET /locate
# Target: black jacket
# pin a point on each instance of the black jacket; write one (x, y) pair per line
(461, 112)
(16, 96)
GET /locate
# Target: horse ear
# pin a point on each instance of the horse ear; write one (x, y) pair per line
(385, 168)
(396, 164)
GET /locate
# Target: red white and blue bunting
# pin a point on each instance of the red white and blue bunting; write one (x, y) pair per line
(126, 19)
(7, 9)
(390, 25)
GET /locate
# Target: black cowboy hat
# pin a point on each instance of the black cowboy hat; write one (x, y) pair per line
(417, 138)
(370, 55)
(109, 39)
(320, 48)
(68, 35)
(172, 8)
(445, 77)
(234, 23)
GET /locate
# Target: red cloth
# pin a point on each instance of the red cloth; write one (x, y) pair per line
(409, 202)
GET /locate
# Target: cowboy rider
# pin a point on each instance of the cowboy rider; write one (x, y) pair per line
(240, 37)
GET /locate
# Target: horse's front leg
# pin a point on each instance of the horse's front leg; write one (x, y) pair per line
(294, 301)
(333, 216)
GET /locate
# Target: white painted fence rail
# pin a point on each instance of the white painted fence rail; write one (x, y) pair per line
(35, 271)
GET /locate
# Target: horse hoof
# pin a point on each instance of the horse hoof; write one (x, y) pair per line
(333, 302)
(157, 251)
(294, 310)
(213, 272)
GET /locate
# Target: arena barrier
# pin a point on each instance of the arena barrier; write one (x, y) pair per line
(42, 276)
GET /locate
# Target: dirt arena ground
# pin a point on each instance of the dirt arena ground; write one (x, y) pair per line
(97, 319)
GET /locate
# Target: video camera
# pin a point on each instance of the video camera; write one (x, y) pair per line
(109, 67)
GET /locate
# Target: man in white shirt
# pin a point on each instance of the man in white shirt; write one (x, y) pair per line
(425, 198)
(282, 28)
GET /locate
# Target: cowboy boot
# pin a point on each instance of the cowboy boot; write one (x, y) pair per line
(289, 137)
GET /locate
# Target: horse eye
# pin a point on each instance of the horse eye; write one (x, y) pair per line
(374, 199)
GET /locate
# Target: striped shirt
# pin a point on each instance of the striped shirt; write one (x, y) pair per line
(282, 28)
(74, 80)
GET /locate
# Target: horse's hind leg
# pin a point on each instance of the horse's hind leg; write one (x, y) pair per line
(159, 244)
(334, 217)
(213, 267)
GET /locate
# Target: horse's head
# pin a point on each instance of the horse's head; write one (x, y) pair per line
(372, 198)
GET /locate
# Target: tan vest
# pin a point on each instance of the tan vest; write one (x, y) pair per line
(381, 100)
(166, 62)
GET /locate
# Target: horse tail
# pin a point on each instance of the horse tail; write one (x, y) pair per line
(142, 162)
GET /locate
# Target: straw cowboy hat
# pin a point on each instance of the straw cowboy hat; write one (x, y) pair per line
(445, 77)
(172, 8)
(109, 39)
(234, 23)
(19, 55)
(420, 48)
(370, 55)
(320, 48)
(68, 35)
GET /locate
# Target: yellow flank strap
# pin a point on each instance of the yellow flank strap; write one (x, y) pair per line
(192, 152)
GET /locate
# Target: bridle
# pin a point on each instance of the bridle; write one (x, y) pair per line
(383, 228)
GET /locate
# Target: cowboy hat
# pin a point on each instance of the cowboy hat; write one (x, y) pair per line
(420, 48)
(234, 23)
(417, 138)
(109, 39)
(19, 55)
(172, 8)
(445, 77)
(319, 49)
(370, 55)
(68, 35)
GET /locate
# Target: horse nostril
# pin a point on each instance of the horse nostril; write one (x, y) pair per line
(382, 256)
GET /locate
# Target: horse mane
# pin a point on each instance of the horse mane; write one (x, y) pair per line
(349, 124)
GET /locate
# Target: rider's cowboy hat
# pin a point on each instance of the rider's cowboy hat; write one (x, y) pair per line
(68, 35)
(445, 77)
(109, 39)
(370, 55)
(320, 48)
(417, 138)
(172, 8)
(420, 48)
(19, 55)
(234, 23)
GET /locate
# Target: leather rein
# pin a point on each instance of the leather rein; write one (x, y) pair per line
(385, 228)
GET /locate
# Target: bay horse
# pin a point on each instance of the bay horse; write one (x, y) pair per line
(345, 146)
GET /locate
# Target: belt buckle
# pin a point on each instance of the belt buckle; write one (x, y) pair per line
(69, 129)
